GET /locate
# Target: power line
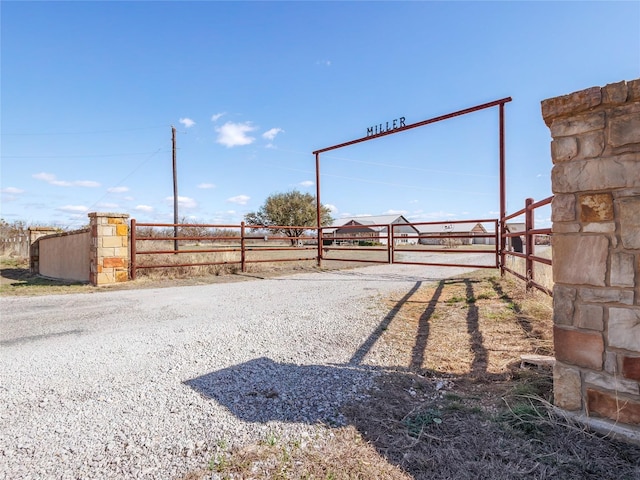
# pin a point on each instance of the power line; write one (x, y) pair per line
(95, 132)
(418, 169)
(79, 156)
(135, 169)
(426, 189)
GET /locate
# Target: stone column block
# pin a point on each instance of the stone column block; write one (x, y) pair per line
(580, 259)
(622, 270)
(614, 93)
(563, 208)
(606, 295)
(624, 130)
(596, 207)
(571, 104)
(631, 368)
(624, 328)
(596, 174)
(612, 383)
(590, 317)
(591, 145)
(563, 298)
(615, 407)
(578, 347)
(564, 149)
(567, 391)
(629, 216)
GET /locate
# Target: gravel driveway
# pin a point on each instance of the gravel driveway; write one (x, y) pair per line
(147, 383)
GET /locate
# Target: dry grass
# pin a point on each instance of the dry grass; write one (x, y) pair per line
(452, 403)
(340, 454)
(542, 273)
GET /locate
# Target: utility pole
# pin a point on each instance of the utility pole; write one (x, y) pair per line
(175, 191)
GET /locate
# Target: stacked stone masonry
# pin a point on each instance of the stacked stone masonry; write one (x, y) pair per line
(595, 150)
(109, 255)
(34, 247)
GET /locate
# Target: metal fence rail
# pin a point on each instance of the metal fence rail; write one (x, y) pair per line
(236, 244)
(529, 233)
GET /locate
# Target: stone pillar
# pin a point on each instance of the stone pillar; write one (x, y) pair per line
(596, 252)
(34, 249)
(109, 255)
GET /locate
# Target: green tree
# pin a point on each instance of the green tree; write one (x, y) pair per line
(290, 209)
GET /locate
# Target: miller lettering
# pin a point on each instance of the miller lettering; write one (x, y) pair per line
(394, 124)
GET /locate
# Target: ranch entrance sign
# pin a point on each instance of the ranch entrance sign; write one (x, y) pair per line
(396, 123)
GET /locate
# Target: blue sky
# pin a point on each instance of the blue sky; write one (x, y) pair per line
(90, 91)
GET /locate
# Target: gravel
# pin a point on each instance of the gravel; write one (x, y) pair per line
(149, 383)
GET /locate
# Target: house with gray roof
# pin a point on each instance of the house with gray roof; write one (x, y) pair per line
(434, 234)
(373, 228)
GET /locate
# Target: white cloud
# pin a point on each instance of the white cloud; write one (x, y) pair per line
(108, 205)
(332, 208)
(216, 116)
(73, 208)
(326, 63)
(207, 185)
(117, 189)
(12, 190)
(86, 183)
(185, 202)
(235, 134)
(187, 122)
(307, 183)
(271, 134)
(143, 208)
(239, 199)
(351, 215)
(395, 212)
(128, 198)
(439, 215)
(51, 179)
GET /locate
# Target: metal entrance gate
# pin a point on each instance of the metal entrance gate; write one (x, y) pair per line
(431, 243)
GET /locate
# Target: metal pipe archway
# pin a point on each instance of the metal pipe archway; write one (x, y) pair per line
(503, 207)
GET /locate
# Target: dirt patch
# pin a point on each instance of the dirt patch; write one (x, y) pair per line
(454, 401)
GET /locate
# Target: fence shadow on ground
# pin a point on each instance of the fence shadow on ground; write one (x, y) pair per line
(263, 390)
